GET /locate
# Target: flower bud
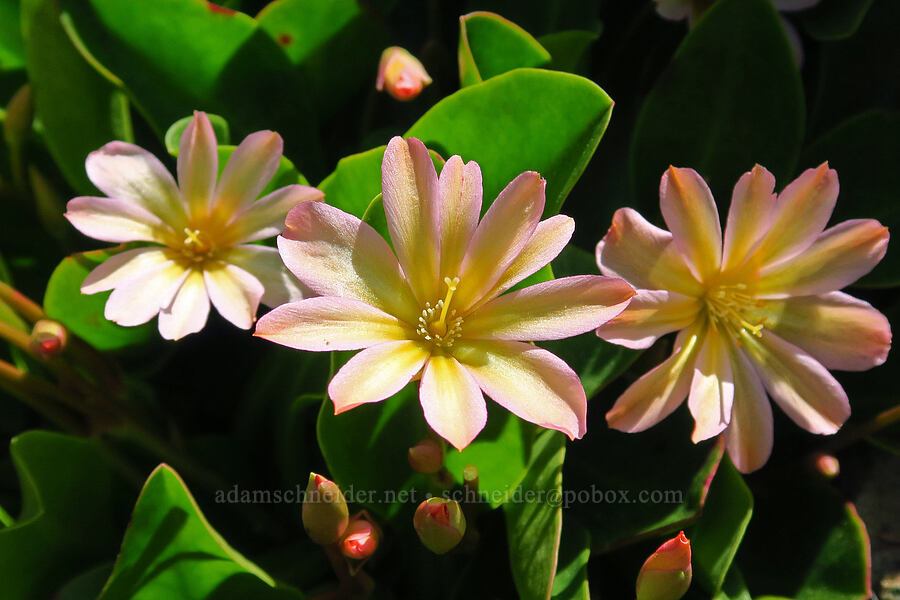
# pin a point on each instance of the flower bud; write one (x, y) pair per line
(426, 457)
(325, 514)
(828, 465)
(48, 338)
(360, 540)
(440, 523)
(666, 575)
(401, 74)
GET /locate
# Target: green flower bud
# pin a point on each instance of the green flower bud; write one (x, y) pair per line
(666, 575)
(426, 457)
(325, 514)
(440, 524)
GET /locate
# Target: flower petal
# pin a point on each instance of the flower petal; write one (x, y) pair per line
(749, 217)
(198, 164)
(336, 254)
(265, 264)
(712, 388)
(644, 255)
(690, 212)
(530, 382)
(116, 220)
(188, 311)
(376, 373)
(749, 436)
(838, 257)
(411, 204)
(453, 403)
(130, 173)
(234, 292)
(140, 298)
(502, 234)
(654, 396)
(650, 315)
(122, 267)
(265, 217)
(330, 323)
(460, 193)
(250, 168)
(798, 383)
(551, 310)
(836, 329)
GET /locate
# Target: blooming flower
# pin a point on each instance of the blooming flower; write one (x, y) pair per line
(201, 230)
(433, 308)
(401, 74)
(759, 313)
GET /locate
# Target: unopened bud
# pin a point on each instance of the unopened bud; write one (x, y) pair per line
(401, 74)
(325, 514)
(828, 466)
(360, 540)
(666, 575)
(48, 338)
(440, 523)
(426, 457)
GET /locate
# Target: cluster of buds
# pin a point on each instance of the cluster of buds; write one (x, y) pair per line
(666, 574)
(327, 521)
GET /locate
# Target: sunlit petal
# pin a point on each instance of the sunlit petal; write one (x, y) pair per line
(453, 403)
(198, 164)
(690, 212)
(712, 388)
(750, 216)
(122, 267)
(460, 207)
(188, 311)
(250, 168)
(266, 265)
(139, 299)
(376, 373)
(234, 292)
(265, 217)
(750, 434)
(650, 315)
(116, 220)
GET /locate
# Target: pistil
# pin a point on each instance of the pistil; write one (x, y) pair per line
(439, 324)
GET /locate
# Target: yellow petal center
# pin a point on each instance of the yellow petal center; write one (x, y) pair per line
(727, 307)
(197, 246)
(438, 323)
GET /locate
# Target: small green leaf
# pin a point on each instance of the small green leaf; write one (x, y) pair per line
(12, 51)
(490, 45)
(835, 19)
(734, 587)
(174, 132)
(570, 49)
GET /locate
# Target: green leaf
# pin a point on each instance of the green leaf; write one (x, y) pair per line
(74, 508)
(355, 181)
(731, 98)
(490, 45)
(835, 19)
(175, 131)
(534, 518)
(12, 51)
(734, 587)
(79, 109)
(86, 586)
(571, 581)
(83, 314)
(717, 535)
(569, 49)
(862, 150)
(170, 550)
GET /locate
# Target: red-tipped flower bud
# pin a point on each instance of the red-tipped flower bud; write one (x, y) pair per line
(440, 523)
(48, 338)
(828, 465)
(666, 575)
(360, 540)
(401, 74)
(325, 514)
(426, 457)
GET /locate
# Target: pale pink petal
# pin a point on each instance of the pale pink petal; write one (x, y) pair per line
(644, 256)
(650, 315)
(460, 193)
(198, 164)
(798, 383)
(376, 373)
(750, 216)
(836, 329)
(188, 311)
(712, 388)
(838, 257)
(130, 173)
(140, 298)
(330, 323)
(250, 168)
(265, 217)
(548, 240)
(336, 254)
(234, 292)
(551, 310)
(265, 264)
(654, 396)
(507, 226)
(530, 382)
(453, 403)
(801, 212)
(411, 205)
(122, 267)
(750, 434)
(116, 220)
(690, 212)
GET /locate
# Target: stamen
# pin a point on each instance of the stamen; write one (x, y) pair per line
(439, 324)
(726, 305)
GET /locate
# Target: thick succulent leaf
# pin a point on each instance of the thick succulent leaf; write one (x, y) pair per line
(490, 45)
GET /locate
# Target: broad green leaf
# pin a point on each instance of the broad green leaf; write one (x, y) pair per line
(862, 150)
(12, 51)
(79, 109)
(731, 98)
(835, 19)
(534, 518)
(170, 550)
(717, 535)
(734, 587)
(355, 181)
(570, 49)
(490, 45)
(174, 132)
(74, 509)
(83, 314)
(571, 581)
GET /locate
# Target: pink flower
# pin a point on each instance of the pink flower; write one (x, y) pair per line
(432, 309)
(401, 74)
(757, 314)
(200, 230)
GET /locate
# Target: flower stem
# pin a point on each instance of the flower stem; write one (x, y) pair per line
(21, 303)
(38, 395)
